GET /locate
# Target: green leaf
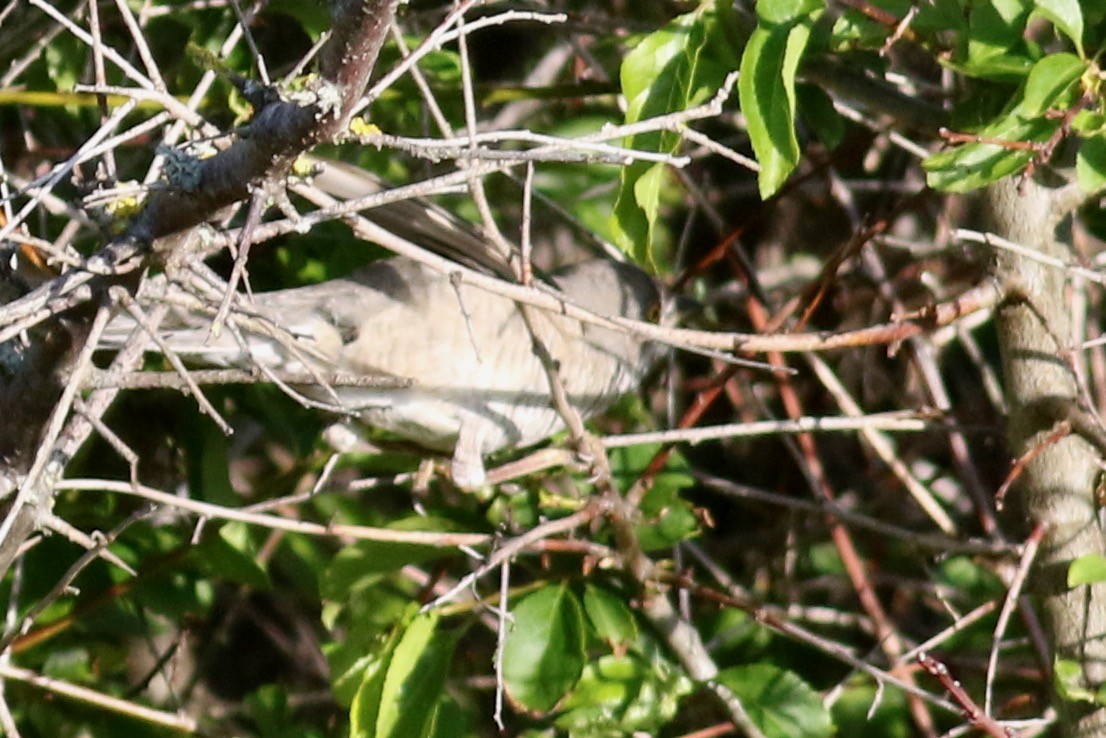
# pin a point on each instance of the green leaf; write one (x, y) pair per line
(994, 28)
(1069, 682)
(816, 109)
(1050, 78)
(610, 616)
(399, 698)
(314, 18)
(974, 165)
(856, 30)
(415, 679)
(368, 699)
(967, 575)
(666, 72)
(73, 664)
(367, 622)
(449, 721)
(780, 703)
(1087, 569)
(1090, 164)
(1067, 16)
(666, 518)
(211, 465)
(543, 656)
(231, 555)
(766, 90)
(621, 696)
(272, 717)
(648, 187)
(1088, 123)
(364, 564)
(998, 67)
(348, 671)
(779, 12)
(862, 709)
(63, 62)
(940, 16)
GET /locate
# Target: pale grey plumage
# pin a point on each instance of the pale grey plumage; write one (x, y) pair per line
(478, 386)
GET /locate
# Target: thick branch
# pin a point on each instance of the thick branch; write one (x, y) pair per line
(281, 130)
(1057, 486)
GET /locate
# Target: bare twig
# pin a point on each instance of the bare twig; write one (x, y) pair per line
(61, 688)
(978, 717)
(218, 512)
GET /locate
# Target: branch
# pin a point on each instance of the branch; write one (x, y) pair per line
(1056, 481)
(282, 129)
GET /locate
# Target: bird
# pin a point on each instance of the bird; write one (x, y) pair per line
(476, 384)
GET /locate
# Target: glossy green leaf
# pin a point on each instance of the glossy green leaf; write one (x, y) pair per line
(415, 679)
(657, 75)
(348, 670)
(971, 166)
(543, 656)
(766, 90)
(780, 703)
(367, 701)
(399, 698)
(666, 72)
(648, 189)
(668, 519)
(609, 614)
(367, 623)
(1050, 78)
(1087, 569)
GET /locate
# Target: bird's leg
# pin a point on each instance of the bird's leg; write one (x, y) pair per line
(467, 467)
(420, 486)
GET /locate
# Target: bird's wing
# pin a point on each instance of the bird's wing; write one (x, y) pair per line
(417, 220)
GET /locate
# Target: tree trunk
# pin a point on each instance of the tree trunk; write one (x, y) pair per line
(1056, 488)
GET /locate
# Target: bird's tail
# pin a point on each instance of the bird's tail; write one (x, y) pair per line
(181, 333)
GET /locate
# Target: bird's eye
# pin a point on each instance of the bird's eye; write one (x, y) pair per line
(653, 314)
